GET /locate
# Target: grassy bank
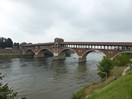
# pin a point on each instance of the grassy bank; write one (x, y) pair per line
(119, 89)
(115, 73)
(118, 63)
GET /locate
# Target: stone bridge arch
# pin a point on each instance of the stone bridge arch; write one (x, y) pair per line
(85, 54)
(89, 51)
(61, 53)
(42, 51)
(63, 50)
(29, 51)
(121, 53)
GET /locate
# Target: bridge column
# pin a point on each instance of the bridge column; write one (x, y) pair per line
(35, 55)
(81, 59)
(58, 57)
(38, 55)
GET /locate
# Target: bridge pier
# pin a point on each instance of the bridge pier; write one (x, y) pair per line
(82, 59)
(38, 56)
(58, 57)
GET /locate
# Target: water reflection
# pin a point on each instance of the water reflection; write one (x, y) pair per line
(82, 67)
(82, 70)
(42, 78)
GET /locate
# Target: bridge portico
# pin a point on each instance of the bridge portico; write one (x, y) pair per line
(82, 49)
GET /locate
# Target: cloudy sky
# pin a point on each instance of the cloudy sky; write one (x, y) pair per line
(40, 21)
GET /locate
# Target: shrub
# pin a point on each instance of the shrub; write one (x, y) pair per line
(104, 67)
(5, 91)
(78, 94)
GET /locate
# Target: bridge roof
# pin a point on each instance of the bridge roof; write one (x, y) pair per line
(84, 43)
(39, 44)
(100, 43)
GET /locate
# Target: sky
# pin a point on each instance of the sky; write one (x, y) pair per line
(39, 21)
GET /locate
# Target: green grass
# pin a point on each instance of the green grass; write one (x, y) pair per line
(78, 94)
(119, 89)
(90, 89)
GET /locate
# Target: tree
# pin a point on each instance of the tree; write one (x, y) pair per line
(104, 67)
(16, 45)
(2, 42)
(5, 91)
(5, 42)
(9, 42)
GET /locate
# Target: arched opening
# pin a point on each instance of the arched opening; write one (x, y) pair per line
(70, 54)
(29, 53)
(46, 53)
(124, 52)
(93, 55)
(123, 58)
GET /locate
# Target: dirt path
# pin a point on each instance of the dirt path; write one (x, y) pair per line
(124, 72)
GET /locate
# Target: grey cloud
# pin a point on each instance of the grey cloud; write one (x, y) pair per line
(107, 16)
(45, 15)
(83, 18)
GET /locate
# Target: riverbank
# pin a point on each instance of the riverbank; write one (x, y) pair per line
(11, 56)
(116, 73)
(12, 53)
(118, 89)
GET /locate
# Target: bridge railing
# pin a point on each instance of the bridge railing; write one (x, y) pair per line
(102, 47)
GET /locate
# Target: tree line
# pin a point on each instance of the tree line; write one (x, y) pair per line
(8, 43)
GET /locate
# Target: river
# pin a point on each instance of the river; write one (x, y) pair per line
(46, 79)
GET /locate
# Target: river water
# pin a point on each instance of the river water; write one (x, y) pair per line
(47, 79)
